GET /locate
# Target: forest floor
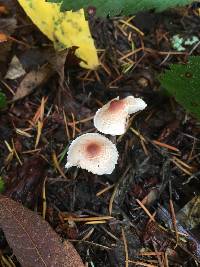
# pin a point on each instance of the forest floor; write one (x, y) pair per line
(140, 205)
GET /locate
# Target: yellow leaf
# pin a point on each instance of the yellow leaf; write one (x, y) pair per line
(65, 29)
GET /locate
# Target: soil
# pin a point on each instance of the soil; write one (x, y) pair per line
(152, 181)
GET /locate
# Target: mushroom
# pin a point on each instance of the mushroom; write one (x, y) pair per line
(112, 118)
(94, 153)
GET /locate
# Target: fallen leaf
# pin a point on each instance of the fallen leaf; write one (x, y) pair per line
(15, 69)
(32, 80)
(33, 241)
(27, 185)
(57, 62)
(189, 215)
(3, 10)
(3, 37)
(65, 29)
(182, 82)
(116, 7)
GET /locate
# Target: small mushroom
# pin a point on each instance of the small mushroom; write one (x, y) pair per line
(94, 153)
(112, 118)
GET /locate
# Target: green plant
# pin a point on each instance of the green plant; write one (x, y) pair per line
(3, 101)
(183, 83)
(2, 185)
(115, 7)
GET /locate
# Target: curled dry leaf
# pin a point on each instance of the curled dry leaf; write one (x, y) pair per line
(32, 239)
(32, 80)
(15, 69)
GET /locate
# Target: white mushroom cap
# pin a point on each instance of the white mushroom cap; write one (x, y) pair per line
(134, 104)
(112, 118)
(94, 153)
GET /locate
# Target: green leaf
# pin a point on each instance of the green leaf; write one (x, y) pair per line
(2, 185)
(3, 101)
(115, 7)
(183, 82)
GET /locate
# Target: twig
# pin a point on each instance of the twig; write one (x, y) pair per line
(88, 234)
(132, 26)
(142, 263)
(86, 219)
(146, 210)
(173, 214)
(181, 168)
(131, 53)
(57, 166)
(109, 233)
(44, 202)
(90, 243)
(66, 125)
(125, 248)
(157, 254)
(73, 127)
(166, 260)
(115, 190)
(104, 190)
(165, 145)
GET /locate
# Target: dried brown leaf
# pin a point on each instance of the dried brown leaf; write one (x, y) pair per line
(32, 80)
(15, 69)
(28, 184)
(33, 241)
(57, 61)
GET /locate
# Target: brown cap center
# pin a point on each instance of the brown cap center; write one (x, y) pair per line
(116, 106)
(93, 149)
